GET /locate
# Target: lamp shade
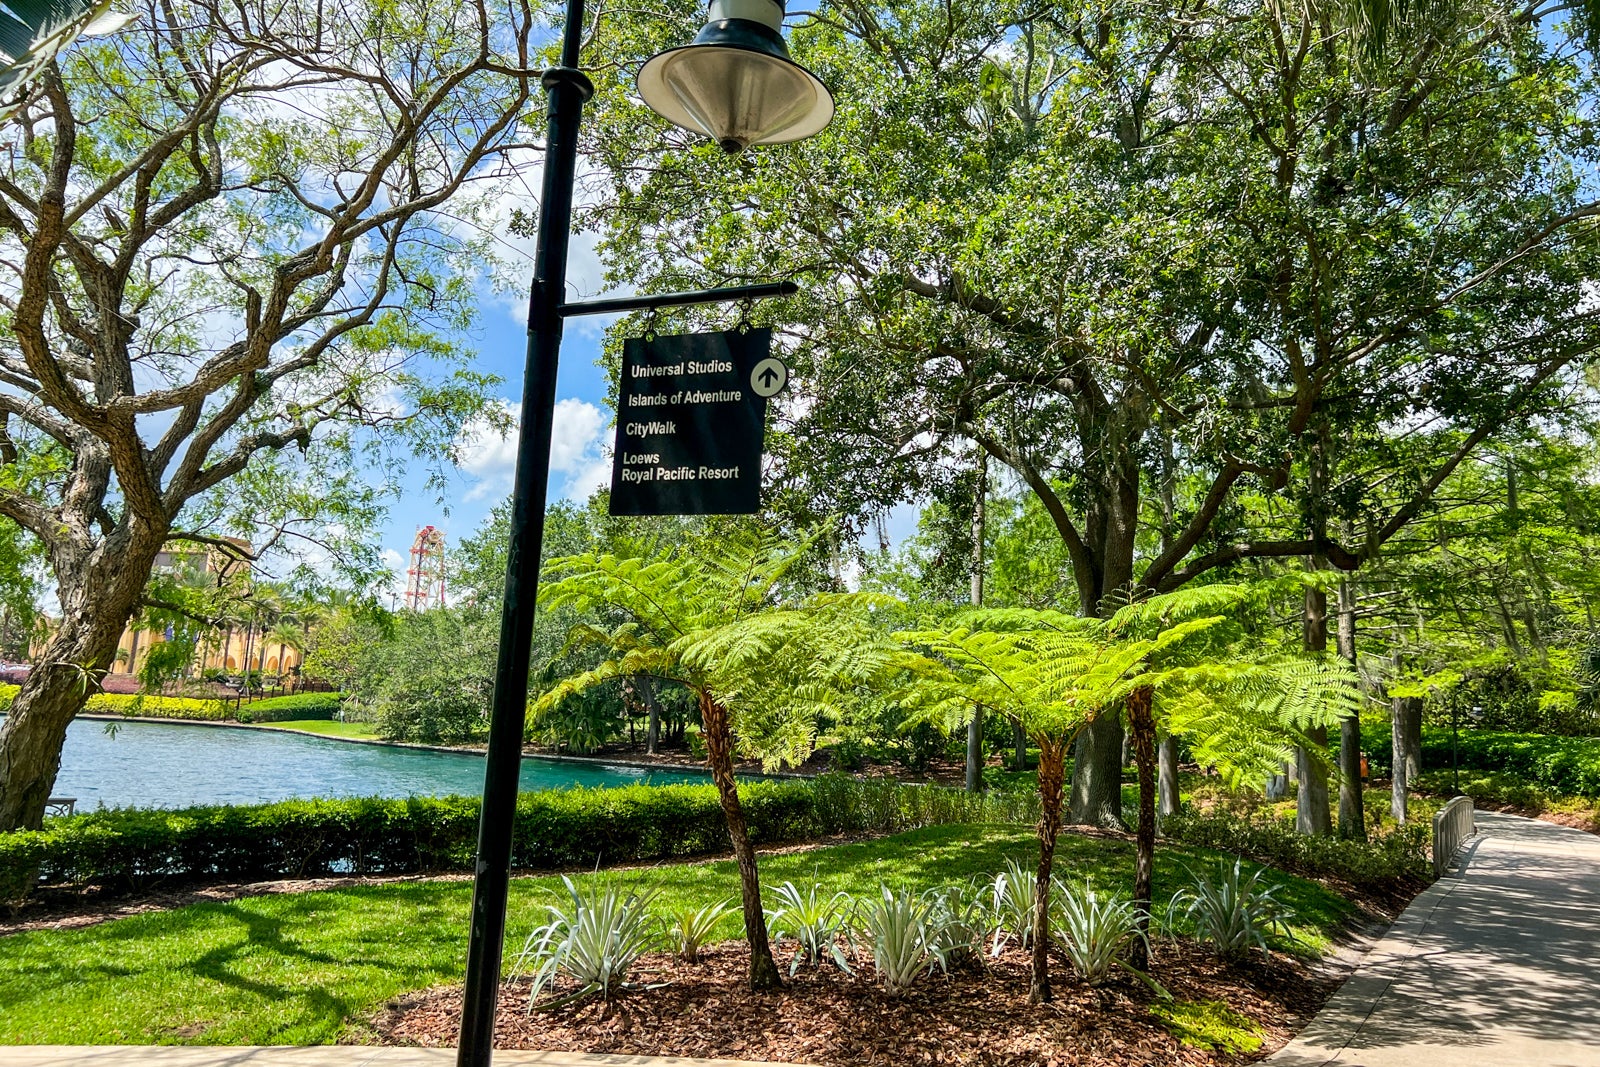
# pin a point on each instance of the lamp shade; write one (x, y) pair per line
(735, 82)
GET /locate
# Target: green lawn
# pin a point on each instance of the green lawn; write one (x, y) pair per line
(325, 726)
(297, 968)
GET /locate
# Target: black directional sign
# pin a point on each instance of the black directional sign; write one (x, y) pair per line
(691, 419)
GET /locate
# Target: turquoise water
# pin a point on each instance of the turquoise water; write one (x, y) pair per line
(169, 765)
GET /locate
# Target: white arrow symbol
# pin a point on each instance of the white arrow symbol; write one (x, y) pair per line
(769, 376)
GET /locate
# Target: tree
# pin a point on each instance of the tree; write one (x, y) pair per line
(1173, 659)
(1140, 257)
(720, 618)
(230, 284)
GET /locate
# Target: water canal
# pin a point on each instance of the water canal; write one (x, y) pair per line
(169, 765)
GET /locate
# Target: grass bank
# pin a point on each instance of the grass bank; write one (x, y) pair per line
(360, 731)
(305, 968)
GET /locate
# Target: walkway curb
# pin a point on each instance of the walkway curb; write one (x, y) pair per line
(1374, 975)
(1497, 964)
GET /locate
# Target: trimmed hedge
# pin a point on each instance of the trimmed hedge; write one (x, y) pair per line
(139, 706)
(132, 848)
(1400, 855)
(1568, 765)
(294, 706)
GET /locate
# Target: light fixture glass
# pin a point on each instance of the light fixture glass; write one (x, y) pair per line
(735, 82)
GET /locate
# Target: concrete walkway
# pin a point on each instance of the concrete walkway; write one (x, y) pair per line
(317, 1056)
(1495, 965)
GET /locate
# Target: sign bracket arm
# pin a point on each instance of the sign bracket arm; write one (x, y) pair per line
(727, 294)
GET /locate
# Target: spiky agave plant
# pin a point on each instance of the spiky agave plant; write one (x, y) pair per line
(903, 929)
(688, 930)
(1234, 913)
(1097, 929)
(594, 939)
(1010, 899)
(813, 918)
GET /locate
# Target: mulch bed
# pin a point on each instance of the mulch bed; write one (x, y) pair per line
(826, 1017)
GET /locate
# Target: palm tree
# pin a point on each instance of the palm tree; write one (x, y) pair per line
(763, 663)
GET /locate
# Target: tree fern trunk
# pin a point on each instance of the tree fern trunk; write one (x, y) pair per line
(975, 724)
(719, 757)
(1142, 730)
(1052, 773)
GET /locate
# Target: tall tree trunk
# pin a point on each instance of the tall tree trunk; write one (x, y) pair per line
(1097, 774)
(249, 643)
(1409, 710)
(1052, 774)
(975, 724)
(1312, 816)
(719, 757)
(1170, 801)
(1142, 728)
(652, 730)
(104, 591)
(1019, 742)
(1399, 779)
(1352, 807)
(1113, 523)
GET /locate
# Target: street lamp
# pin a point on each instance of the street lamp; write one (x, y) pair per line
(737, 84)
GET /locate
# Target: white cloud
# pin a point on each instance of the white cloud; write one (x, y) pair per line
(393, 591)
(518, 179)
(580, 462)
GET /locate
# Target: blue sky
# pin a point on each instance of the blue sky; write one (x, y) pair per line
(581, 445)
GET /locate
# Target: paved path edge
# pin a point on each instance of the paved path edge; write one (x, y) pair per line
(1329, 1031)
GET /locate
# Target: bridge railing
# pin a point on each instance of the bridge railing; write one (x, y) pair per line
(1451, 827)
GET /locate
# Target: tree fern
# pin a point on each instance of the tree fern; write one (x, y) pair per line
(765, 665)
(1184, 660)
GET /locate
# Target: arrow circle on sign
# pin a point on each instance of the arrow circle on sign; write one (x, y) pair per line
(769, 376)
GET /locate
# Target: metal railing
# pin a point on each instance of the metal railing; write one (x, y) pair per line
(1451, 828)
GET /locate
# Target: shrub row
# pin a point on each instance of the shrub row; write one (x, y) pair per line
(139, 706)
(143, 707)
(132, 848)
(294, 706)
(1402, 854)
(1569, 765)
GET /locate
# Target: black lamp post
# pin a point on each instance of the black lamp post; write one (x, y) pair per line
(737, 84)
